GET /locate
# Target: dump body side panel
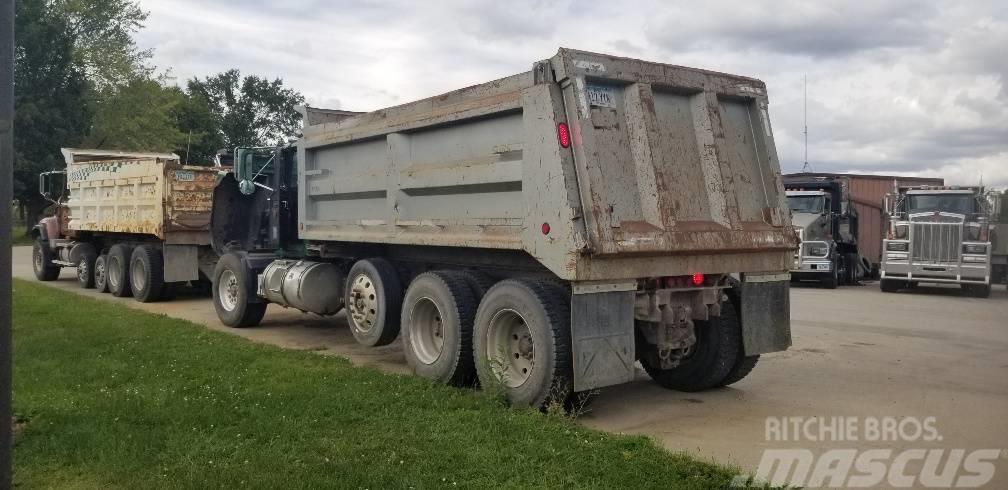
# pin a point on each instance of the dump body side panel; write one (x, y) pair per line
(443, 171)
(153, 196)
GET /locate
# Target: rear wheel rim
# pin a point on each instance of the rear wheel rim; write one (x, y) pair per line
(363, 303)
(510, 348)
(138, 275)
(227, 290)
(99, 271)
(114, 274)
(82, 271)
(426, 329)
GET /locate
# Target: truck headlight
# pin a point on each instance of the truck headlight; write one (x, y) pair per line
(902, 231)
(819, 250)
(974, 248)
(897, 246)
(973, 231)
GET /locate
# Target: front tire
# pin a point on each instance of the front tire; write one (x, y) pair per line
(42, 264)
(717, 356)
(146, 274)
(437, 325)
(117, 270)
(522, 342)
(373, 299)
(232, 301)
(889, 285)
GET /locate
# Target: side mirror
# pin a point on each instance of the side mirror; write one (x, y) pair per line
(46, 185)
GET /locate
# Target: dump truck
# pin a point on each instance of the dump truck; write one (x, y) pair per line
(826, 222)
(541, 232)
(133, 224)
(939, 235)
(867, 195)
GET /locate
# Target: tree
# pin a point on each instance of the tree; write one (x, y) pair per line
(50, 97)
(102, 34)
(138, 118)
(250, 111)
(198, 123)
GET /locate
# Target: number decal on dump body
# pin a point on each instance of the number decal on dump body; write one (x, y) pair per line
(601, 95)
(185, 175)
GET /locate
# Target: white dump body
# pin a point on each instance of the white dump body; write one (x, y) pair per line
(670, 170)
(149, 194)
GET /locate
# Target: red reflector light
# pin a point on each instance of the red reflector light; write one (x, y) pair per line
(545, 228)
(697, 279)
(563, 135)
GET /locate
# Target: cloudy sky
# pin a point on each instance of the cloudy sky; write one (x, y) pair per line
(894, 87)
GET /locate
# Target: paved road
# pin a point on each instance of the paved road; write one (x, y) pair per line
(857, 353)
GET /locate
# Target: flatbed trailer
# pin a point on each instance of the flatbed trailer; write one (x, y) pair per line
(543, 231)
(133, 224)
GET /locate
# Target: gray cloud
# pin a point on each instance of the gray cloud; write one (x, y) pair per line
(894, 86)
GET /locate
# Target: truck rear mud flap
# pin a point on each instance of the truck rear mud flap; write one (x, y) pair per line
(602, 336)
(765, 306)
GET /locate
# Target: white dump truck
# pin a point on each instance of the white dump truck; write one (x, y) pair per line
(133, 224)
(543, 232)
(941, 235)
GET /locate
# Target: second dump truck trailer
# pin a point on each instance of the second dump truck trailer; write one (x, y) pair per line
(133, 224)
(543, 231)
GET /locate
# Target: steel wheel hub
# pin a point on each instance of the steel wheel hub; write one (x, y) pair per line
(363, 303)
(227, 290)
(426, 329)
(82, 270)
(138, 275)
(510, 348)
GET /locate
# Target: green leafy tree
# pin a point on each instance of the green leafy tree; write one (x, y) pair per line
(139, 116)
(198, 123)
(250, 111)
(102, 33)
(50, 96)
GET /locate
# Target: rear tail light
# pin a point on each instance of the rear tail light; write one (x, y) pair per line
(563, 135)
(677, 282)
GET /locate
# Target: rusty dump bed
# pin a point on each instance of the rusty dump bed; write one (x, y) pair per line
(139, 193)
(660, 170)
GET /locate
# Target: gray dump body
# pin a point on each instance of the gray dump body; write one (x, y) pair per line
(669, 171)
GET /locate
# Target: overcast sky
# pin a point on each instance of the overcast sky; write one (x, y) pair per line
(894, 87)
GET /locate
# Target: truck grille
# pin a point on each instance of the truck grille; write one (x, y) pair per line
(935, 242)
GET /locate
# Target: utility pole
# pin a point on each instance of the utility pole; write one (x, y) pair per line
(805, 168)
(6, 198)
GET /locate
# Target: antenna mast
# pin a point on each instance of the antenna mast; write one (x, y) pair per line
(805, 168)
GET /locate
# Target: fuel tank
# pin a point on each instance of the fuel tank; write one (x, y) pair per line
(315, 287)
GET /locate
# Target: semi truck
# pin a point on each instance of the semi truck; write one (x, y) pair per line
(542, 232)
(826, 223)
(133, 224)
(939, 235)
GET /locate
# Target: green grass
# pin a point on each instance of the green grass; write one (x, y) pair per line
(106, 396)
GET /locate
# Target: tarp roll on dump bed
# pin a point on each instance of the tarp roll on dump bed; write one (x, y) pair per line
(663, 160)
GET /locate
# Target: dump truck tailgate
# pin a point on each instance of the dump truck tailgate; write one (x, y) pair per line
(671, 159)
